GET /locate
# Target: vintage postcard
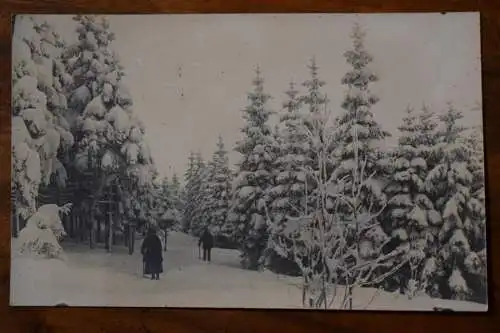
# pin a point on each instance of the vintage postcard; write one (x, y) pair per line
(315, 161)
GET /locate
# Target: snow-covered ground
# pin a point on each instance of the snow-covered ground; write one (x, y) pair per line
(95, 278)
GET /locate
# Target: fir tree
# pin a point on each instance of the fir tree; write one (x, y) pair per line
(411, 212)
(217, 193)
(461, 233)
(40, 134)
(105, 123)
(316, 102)
(195, 177)
(188, 194)
(175, 191)
(358, 118)
(358, 132)
(314, 99)
(199, 186)
(163, 205)
(287, 194)
(176, 201)
(110, 146)
(166, 194)
(360, 163)
(254, 177)
(317, 106)
(474, 140)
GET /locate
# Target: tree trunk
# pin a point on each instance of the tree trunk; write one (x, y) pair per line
(64, 222)
(350, 297)
(109, 241)
(115, 235)
(131, 239)
(323, 299)
(78, 221)
(15, 222)
(76, 227)
(106, 235)
(82, 223)
(92, 228)
(22, 222)
(15, 219)
(71, 225)
(126, 233)
(304, 291)
(99, 238)
(165, 240)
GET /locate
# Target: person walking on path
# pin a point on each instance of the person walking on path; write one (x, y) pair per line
(207, 242)
(151, 250)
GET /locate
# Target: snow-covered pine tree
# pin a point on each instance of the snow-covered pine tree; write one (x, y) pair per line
(287, 195)
(53, 81)
(39, 132)
(254, 177)
(358, 132)
(193, 196)
(166, 193)
(294, 156)
(216, 194)
(462, 232)
(200, 220)
(360, 162)
(175, 191)
(305, 235)
(159, 209)
(203, 200)
(137, 200)
(476, 262)
(29, 124)
(110, 145)
(176, 201)
(321, 236)
(169, 200)
(188, 193)
(410, 213)
(316, 102)
(475, 141)
(314, 99)
(164, 196)
(358, 119)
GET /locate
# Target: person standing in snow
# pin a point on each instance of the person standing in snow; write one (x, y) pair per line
(207, 242)
(151, 250)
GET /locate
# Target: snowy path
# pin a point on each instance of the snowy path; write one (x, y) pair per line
(182, 253)
(95, 278)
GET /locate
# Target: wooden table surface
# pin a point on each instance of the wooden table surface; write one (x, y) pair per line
(241, 321)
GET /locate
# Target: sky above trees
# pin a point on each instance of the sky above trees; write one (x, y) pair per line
(189, 74)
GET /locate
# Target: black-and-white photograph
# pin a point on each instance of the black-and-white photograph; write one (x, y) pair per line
(292, 161)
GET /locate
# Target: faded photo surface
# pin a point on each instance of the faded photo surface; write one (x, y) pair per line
(315, 161)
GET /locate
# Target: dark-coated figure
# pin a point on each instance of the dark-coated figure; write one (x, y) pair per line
(151, 250)
(207, 242)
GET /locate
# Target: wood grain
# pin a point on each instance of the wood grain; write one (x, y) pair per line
(170, 320)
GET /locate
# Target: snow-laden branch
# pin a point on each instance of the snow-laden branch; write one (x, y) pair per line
(43, 230)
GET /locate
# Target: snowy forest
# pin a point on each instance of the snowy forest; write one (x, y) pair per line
(317, 196)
